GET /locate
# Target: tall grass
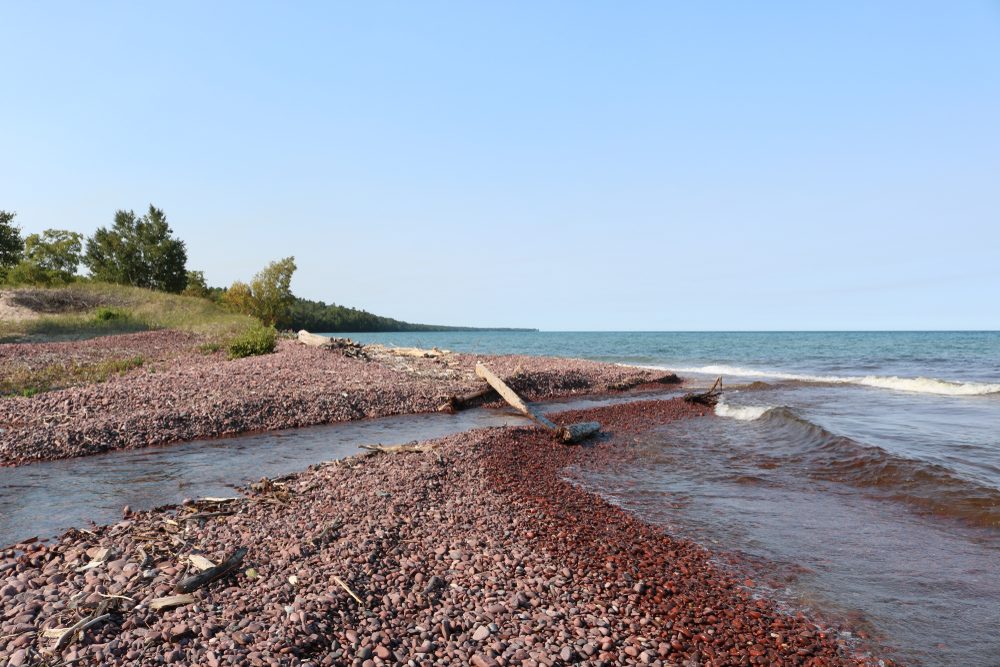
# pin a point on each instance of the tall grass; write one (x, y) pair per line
(98, 309)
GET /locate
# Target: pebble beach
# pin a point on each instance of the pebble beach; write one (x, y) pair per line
(475, 548)
(474, 551)
(181, 393)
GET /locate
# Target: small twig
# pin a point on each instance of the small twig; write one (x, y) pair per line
(204, 515)
(94, 621)
(340, 582)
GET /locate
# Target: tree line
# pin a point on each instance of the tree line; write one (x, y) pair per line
(142, 251)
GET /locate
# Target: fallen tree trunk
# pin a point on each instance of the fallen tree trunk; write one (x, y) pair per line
(571, 433)
(513, 399)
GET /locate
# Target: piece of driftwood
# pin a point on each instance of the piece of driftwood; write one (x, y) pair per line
(418, 352)
(571, 433)
(314, 340)
(456, 403)
(708, 398)
(196, 581)
(65, 635)
(578, 432)
(96, 561)
(199, 516)
(200, 562)
(413, 447)
(171, 601)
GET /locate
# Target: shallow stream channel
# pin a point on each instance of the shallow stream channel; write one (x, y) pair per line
(46, 498)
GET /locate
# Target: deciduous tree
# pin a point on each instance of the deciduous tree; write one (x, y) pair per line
(138, 251)
(55, 252)
(11, 245)
(268, 297)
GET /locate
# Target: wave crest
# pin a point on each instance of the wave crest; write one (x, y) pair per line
(920, 385)
(741, 412)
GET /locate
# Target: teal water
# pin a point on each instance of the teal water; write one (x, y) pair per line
(860, 481)
(958, 356)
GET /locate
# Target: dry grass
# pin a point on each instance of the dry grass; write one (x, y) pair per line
(86, 310)
(26, 381)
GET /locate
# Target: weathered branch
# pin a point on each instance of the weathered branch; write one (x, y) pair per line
(194, 582)
(708, 398)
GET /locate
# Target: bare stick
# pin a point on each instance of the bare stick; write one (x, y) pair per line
(340, 582)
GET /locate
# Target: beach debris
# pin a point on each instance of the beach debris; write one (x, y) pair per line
(200, 562)
(568, 434)
(171, 601)
(349, 347)
(97, 560)
(314, 340)
(270, 491)
(418, 352)
(456, 403)
(64, 636)
(708, 398)
(194, 582)
(410, 447)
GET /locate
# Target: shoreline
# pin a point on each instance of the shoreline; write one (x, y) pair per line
(180, 394)
(477, 551)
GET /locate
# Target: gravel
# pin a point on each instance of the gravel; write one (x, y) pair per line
(476, 552)
(180, 394)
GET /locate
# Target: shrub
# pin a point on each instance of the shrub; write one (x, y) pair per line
(210, 347)
(255, 340)
(105, 314)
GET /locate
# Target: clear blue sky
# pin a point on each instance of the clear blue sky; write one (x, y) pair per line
(626, 165)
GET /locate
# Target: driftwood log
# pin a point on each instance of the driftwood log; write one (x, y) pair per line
(196, 581)
(456, 403)
(314, 340)
(571, 433)
(708, 398)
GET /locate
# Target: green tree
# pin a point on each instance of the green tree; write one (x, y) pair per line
(268, 297)
(272, 292)
(239, 298)
(26, 273)
(11, 245)
(138, 251)
(196, 285)
(55, 252)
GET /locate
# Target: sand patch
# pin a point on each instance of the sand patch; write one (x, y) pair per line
(12, 312)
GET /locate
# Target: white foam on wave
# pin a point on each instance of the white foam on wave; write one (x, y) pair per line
(746, 413)
(918, 385)
(930, 385)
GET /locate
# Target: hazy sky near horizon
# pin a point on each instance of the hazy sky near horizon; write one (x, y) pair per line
(561, 165)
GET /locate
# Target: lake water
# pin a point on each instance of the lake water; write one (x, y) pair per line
(860, 478)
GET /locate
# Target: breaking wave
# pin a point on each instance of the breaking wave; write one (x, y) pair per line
(918, 385)
(741, 412)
